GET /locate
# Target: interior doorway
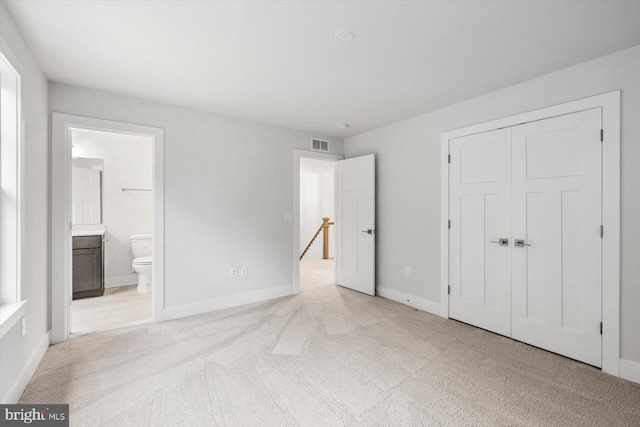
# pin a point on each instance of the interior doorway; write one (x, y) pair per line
(112, 221)
(299, 157)
(63, 127)
(317, 223)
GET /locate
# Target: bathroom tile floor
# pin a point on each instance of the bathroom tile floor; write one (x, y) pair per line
(121, 306)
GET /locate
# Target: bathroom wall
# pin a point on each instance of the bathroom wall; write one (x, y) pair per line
(127, 164)
(316, 202)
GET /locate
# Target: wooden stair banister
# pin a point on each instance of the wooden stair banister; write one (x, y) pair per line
(325, 246)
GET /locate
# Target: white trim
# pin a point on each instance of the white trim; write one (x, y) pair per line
(61, 206)
(610, 104)
(207, 306)
(10, 314)
(15, 66)
(297, 155)
(18, 387)
(630, 370)
(415, 302)
(611, 241)
(444, 226)
(114, 282)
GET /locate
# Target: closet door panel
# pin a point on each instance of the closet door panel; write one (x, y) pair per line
(479, 206)
(556, 208)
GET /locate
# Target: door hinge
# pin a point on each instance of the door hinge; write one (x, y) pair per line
(449, 157)
(600, 328)
(601, 135)
(601, 231)
(449, 289)
(449, 224)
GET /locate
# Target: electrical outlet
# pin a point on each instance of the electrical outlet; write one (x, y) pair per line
(24, 326)
(234, 271)
(407, 271)
(243, 271)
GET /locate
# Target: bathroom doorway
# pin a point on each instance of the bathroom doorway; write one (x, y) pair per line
(112, 221)
(316, 223)
(107, 258)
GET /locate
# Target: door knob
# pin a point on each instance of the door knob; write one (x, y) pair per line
(369, 231)
(501, 241)
(519, 243)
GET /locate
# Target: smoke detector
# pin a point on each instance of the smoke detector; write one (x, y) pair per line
(344, 36)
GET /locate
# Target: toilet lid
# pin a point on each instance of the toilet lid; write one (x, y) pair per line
(142, 260)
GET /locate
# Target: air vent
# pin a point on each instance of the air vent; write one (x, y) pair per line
(319, 145)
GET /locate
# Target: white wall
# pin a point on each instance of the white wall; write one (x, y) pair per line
(128, 163)
(316, 202)
(228, 184)
(408, 180)
(20, 354)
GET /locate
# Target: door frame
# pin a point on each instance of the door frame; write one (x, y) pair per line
(61, 256)
(297, 155)
(610, 105)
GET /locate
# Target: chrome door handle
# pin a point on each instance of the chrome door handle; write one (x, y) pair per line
(369, 231)
(501, 241)
(519, 243)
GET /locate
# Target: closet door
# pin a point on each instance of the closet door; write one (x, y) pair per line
(556, 273)
(480, 212)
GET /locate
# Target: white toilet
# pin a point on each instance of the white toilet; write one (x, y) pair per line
(142, 249)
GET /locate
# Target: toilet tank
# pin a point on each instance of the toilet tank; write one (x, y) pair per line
(141, 245)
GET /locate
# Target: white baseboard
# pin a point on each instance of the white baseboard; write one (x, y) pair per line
(410, 300)
(630, 370)
(114, 282)
(200, 307)
(16, 390)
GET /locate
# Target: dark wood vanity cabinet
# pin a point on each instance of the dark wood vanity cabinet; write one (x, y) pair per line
(88, 266)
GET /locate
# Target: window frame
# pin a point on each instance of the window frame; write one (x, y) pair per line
(12, 306)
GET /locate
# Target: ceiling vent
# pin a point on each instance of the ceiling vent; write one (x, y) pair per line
(319, 145)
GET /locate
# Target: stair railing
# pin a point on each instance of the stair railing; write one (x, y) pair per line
(324, 228)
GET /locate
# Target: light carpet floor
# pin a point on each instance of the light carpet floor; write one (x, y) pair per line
(118, 307)
(326, 357)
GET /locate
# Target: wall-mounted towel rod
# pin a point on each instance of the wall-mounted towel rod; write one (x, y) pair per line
(136, 189)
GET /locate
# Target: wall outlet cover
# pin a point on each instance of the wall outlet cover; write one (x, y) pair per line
(234, 271)
(244, 272)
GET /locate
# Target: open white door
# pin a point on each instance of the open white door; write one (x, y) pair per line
(355, 224)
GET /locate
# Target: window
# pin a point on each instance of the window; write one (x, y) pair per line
(10, 185)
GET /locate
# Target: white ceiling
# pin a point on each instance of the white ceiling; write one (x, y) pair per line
(278, 62)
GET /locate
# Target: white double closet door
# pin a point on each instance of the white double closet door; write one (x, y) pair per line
(536, 187)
